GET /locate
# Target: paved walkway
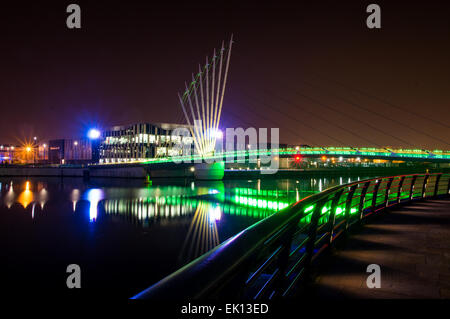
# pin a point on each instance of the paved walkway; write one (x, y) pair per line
(412, 246)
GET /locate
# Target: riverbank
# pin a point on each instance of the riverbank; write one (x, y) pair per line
(185, 171)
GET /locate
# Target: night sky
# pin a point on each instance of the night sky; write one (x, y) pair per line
(311, 68)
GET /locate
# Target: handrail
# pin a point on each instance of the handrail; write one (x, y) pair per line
(269, 258)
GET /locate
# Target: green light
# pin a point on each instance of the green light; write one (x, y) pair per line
(309, 208)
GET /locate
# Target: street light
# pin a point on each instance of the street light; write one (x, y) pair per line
(75, 151)
(94, 134)
(44, 146)
(34, 146)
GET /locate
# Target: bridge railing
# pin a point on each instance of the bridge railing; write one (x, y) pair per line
(268, 259)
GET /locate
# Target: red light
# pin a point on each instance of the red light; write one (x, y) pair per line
(297, 158)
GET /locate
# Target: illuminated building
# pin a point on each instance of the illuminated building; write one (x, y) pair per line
(70, 151)
(139, 142)
(8, 153)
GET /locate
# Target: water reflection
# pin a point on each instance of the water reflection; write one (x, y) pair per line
(94, 196)
(75, 197)
(10, 196)
(127, 230)
(202, 235)
(42, 197)
(211, 211)
(26, 197)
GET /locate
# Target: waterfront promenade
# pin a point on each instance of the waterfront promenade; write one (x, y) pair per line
(412, 246)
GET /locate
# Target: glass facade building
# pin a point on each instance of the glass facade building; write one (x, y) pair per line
(138, 142)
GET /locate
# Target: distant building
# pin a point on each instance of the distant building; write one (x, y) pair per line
(8, 154)
(139, 142)
(71, 151)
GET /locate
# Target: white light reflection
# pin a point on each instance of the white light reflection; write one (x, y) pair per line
(75, 197)
(94, 196)
(9, 198)
(214, 213)
(43, 196)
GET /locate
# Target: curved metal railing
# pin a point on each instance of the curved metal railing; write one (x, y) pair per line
(269, 258)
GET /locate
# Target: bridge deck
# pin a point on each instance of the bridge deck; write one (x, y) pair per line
(412, 247)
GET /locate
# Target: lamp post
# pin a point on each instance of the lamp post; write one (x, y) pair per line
(94, 135)
(28, 150)
(34, 149)
(75, 151)
(44, 146)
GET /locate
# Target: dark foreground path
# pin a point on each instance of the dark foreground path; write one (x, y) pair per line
(412, 246)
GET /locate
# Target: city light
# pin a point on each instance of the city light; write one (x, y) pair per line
(94, 134)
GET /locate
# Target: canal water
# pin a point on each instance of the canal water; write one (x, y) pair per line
(125, 234)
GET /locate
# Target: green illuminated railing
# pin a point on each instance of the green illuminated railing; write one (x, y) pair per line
(232, 156)
(268, 259)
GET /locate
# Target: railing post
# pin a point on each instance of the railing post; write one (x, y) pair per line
(332, 217)
(436, 185)
(362, 200)
(448, 186)
(400, 189)
(375, 194)
(388, 190)
(424, 186)
(283, 259)
(348, 204)
(411, 190)
(312, 234)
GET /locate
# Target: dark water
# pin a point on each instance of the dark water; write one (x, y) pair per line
(124, 234)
